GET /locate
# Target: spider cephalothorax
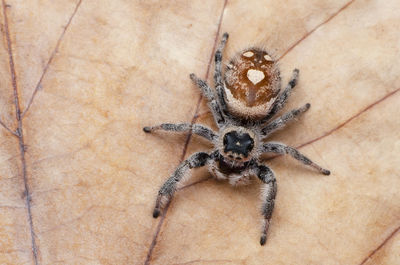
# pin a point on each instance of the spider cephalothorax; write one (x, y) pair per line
(242, 108)
(237, 144)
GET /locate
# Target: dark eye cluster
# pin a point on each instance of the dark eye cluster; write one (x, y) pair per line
(239, 143)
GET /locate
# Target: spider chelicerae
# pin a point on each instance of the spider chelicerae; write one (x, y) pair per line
(243, 106)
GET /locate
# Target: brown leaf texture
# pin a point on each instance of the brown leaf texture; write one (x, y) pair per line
(79, 178)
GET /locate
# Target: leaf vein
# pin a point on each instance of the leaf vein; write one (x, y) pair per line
(39, 84)
(19, 131)
(189, 136)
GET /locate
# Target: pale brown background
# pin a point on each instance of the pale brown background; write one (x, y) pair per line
(79, 185)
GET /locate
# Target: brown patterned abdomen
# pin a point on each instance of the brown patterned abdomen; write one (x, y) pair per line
(252, 79)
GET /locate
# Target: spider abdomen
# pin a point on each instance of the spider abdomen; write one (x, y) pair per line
(252, 83)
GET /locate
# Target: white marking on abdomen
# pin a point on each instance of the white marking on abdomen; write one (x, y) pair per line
(255, 76)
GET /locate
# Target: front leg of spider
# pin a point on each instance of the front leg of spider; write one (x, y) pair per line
(168, 189)
(269, 190)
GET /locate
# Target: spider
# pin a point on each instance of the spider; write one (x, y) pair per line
(242, 107)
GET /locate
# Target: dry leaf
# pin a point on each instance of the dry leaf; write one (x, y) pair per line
(78, 177)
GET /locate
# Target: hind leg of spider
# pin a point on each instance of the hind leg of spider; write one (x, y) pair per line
(280, 122)
(168, 189)
(266, 175)
(219, 85)
(184, 127)
(282, 98)
(219, 117)
(279, 148)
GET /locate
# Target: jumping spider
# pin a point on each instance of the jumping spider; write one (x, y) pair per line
(242, 107)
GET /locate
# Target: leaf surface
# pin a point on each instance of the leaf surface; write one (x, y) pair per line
(78, 177)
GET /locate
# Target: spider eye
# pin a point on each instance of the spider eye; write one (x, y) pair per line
(239, 143)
